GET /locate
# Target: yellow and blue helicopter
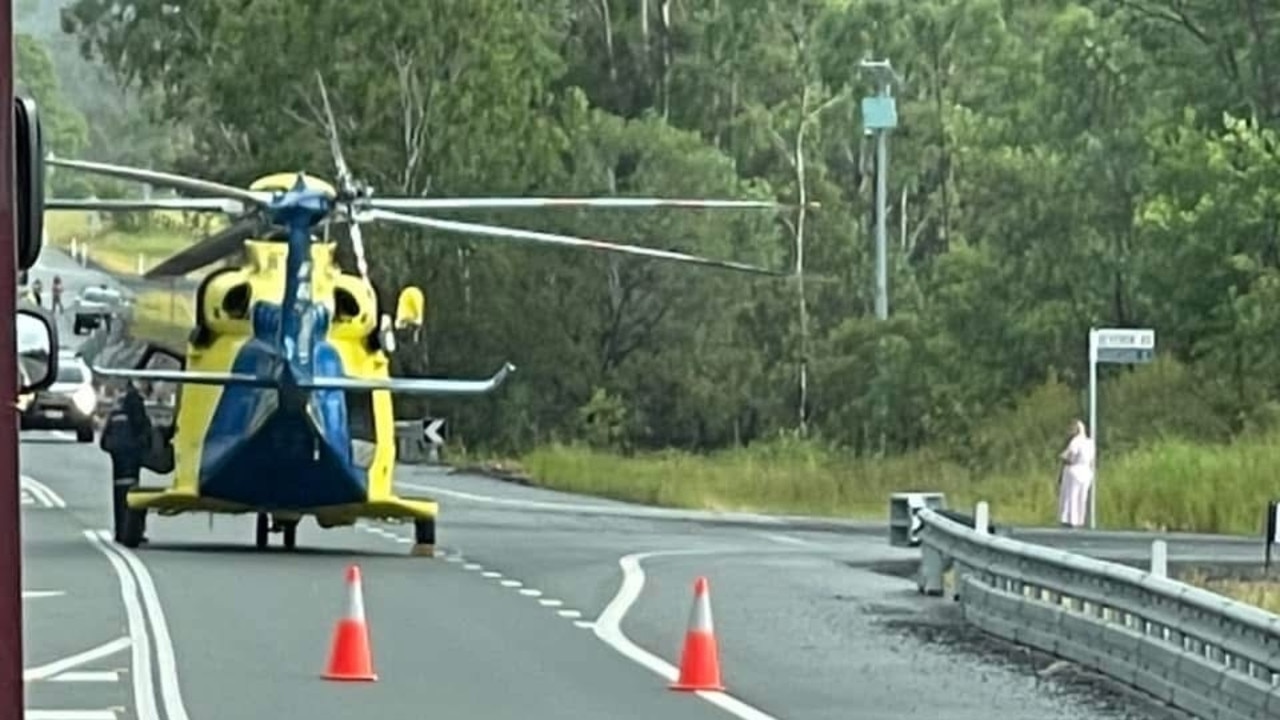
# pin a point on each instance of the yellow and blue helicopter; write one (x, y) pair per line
(284, 405)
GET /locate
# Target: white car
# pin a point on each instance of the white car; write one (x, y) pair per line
(68, 404)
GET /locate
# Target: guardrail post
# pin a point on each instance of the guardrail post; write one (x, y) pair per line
(932, 568)
(1159, 558)
(982, 518)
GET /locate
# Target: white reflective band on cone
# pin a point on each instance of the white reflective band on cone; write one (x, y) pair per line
(700, 618)
(355, 603)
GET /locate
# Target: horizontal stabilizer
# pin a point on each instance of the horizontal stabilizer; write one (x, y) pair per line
(187, 377)
(412, 386)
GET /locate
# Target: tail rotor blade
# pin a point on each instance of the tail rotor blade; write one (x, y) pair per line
(530, 236)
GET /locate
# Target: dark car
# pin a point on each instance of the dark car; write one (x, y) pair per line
(96, 306)
(68, 404)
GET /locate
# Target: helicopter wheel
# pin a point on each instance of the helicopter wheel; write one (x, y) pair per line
(263, 533)
(290, 530)
(424, 537)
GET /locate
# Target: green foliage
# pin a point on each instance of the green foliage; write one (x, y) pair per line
(1059, 166)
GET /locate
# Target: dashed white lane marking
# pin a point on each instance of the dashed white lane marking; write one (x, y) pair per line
(493, 575)
(34, 594)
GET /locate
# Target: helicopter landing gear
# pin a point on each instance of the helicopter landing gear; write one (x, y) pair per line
(263, 530)
(267, 525)
(134, 525)
(424, 537)
(290, 530)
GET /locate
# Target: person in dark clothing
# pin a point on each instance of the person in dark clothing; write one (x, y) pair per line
(126, 436)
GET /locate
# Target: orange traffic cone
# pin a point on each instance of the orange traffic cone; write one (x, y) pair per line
(349, 656)
(700, 661)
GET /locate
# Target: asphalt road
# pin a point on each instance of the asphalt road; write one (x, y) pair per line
(535, 610)
(54, 262)
(543, 605)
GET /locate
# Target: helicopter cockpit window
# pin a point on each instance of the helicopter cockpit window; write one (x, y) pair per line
(236, 302)
(345, 305)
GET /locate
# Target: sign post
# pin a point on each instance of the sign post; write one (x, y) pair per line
(431, 434)
(1272, 531)
(1124, 346)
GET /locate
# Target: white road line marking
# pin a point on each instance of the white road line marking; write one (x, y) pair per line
(617, 510)
(569, 613)
(41, 594)
(144, 692)
(584, 624)
(165, 660)
(786, 539)
(103, 676)
(472, 566)
(404, 540)
(530, 592)
(550, 602)
(491, 574)
(511, 583)
(41, 492)
(449, 559)
(608, 628)
(70, 715)
(49, 670)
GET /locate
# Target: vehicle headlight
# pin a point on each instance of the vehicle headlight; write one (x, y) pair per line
(85, 399)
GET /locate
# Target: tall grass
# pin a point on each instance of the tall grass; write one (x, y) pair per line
(119, 251)
(1167, 461)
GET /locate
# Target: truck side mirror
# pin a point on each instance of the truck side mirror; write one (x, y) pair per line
(37, 346)
(28, 177)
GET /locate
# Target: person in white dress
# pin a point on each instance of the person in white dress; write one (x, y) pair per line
(1076, 477)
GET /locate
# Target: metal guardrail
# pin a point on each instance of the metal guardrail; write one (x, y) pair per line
(1201, 652)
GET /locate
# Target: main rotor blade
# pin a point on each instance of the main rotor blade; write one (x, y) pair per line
(415, 204)
(557, 239)
(154, 177)
(210, 250)
(223, 205)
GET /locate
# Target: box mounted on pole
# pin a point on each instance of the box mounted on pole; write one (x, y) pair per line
(879, 116)
(1125, 346)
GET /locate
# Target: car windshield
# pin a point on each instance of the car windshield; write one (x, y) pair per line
(70, 373)
(99, 295)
